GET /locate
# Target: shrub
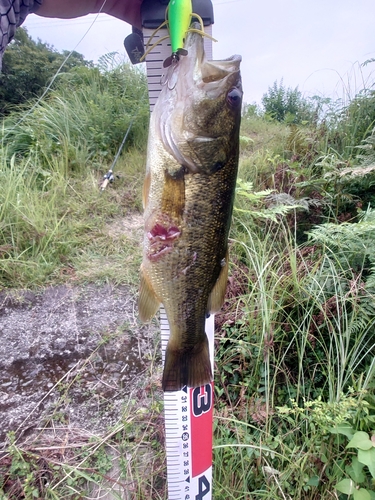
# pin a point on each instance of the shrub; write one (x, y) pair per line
(287, 104)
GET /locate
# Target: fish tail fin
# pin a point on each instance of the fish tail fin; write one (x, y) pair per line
(189, 367)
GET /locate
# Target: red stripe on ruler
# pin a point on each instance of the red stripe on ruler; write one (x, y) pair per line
(201, 415)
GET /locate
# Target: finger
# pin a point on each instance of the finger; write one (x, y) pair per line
(127, 10)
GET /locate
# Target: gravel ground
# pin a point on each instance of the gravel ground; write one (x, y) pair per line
(72, 354)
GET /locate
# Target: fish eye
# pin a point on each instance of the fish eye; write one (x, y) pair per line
(234, 97)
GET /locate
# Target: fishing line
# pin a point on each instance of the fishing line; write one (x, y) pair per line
(65, 22)
(57, 72)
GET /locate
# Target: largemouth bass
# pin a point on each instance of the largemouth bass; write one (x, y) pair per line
(188, 198)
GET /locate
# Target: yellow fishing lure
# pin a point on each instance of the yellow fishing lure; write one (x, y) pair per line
(178, 16)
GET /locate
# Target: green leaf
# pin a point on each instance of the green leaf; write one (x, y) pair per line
(360, 440)
(367, 457)
(354, 470)
(361, 494)
(313, 481)
(342, 429)
(346, 486)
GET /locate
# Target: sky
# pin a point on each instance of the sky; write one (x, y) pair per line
(317, 45)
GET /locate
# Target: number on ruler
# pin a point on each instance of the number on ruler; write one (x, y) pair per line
(202, 400)
(203, 487)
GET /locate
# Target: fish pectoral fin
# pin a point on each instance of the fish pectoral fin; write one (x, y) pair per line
(187, 367)
(216, 298)
(148, 303)
(173, 195)
(146, 189)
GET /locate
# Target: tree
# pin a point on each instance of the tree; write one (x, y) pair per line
(28, 67)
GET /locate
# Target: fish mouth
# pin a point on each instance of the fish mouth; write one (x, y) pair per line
(195, 70)
(202, 69)
(194, 85)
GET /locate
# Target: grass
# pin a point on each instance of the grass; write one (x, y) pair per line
(65, 463)
(296, 365)
(54, 226)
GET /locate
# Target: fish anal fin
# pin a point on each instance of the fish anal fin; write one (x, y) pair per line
(146, 189)
(187, 367)
(173, 196)
(148, 303)
(216, 298)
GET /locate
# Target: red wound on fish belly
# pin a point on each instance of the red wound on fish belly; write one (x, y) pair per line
(162, 233)
(154, 254)
(161, 240)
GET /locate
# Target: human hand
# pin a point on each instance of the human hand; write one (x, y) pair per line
(126, 10)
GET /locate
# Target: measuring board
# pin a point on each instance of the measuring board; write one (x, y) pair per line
(188, 431)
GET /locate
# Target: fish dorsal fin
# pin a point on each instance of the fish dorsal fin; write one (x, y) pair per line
(216, 298)
(148, 303)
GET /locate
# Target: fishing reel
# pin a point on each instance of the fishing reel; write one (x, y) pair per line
(108, 178)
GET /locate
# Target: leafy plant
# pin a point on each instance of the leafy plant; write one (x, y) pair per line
(287, 104)
(353, 486)
(70, 124)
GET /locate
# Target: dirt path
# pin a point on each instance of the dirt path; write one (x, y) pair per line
(71, 354)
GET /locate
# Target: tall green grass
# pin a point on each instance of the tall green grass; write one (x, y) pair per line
(53, 219)
(298, 364)
(289, 349)
(83, 120)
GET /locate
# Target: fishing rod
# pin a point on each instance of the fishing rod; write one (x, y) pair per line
(188, 413)
(109, 176)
